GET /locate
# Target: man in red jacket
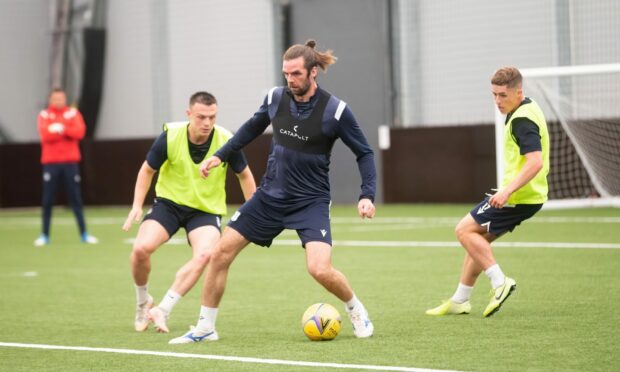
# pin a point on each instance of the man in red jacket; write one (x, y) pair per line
(61, 128)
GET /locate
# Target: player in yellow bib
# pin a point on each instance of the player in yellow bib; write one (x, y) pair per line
(521, 194)
(184, 199)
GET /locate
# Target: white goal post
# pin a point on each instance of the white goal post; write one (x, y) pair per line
(582, 107)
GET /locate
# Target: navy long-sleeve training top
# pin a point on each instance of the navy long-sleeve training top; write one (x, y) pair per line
(298, 163)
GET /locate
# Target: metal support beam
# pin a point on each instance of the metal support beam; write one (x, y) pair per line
(60, 34)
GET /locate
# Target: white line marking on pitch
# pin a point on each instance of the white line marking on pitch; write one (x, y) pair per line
(70, 221)
(429, 244)
(219, 357)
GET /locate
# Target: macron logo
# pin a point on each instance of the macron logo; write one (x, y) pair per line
(483, 208)
(323, 232)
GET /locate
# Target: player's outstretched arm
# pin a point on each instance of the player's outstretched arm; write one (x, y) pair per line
(209, 164)
(365, 208)
(247, 183)
(143, 184)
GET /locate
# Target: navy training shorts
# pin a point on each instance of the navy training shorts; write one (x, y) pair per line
(501, 220)
(173, 216)
(260, 220)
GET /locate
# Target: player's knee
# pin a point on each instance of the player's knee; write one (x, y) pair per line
(320, 272)
(220, 258)
(202, 260)
(140, 252)
(461, 231)
(458, 231)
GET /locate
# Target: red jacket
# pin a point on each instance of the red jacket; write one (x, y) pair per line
(60, 146)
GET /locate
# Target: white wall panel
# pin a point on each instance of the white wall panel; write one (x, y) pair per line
(127, 103)
(159, 53)
(596, 31)
(593, 43)
(24, 66)
(225, 48)
(461, 43)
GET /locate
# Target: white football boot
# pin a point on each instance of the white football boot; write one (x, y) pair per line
(142, 320)
(159, 318)
(42, 240)
(195, 335)
(88, 239)
(362, 326)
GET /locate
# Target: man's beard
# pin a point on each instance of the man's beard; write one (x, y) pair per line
(301, 91)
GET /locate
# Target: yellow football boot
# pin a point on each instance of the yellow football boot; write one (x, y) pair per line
(450, 307)
(499, 295)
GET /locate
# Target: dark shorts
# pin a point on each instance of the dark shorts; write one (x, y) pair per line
(498, 221)
(260, 220)
(173, 216)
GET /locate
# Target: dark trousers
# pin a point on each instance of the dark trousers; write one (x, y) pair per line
(69, 175)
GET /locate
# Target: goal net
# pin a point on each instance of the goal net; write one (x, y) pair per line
(582, 108)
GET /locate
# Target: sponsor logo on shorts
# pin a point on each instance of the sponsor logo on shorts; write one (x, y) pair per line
(47, 176)
(324, 232)
(235, 216)
(219, 221)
